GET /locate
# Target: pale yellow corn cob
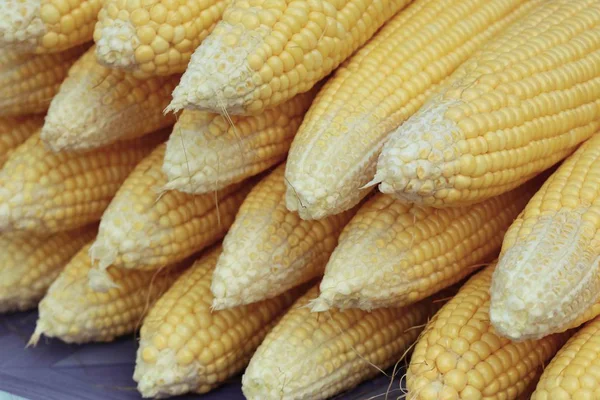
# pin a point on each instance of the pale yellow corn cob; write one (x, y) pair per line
(43, 192)
(460, 356)
(97, 106)
(28, 82)
(522, 103)
(74, 313)
(185, 347)
(143, 228)
(335, 151)
(269, 249)
(30, 263)
(574, 373)
(14, 131)
(264, 52)
(394, 253)
(315, 356)
(154, 37)
(46, 26)
(549, 270)
(207, 152)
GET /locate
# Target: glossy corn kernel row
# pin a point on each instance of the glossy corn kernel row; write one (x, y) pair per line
(97, 106)
(316, 356)
(145, 227)
(185, 347)
(394, 253)
(46, 26)
(269, 249)
(156, 37)
(522, 103)
(460, 356)
(44, 192)
(208, 152)
(29, 82)
(552, 252)
(30, 263)
(14, 131)
(264, 52)
(74, 313)
(335, 151)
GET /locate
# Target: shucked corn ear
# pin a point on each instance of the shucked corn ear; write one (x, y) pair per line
(30, 263)
(74, 313)
(265, 52)
(143, 228)
(335, 151)
(269, 249)
(522, 103)
(43, 192)
(315, 356)
(460, 356)
(208, 152)
(14, 131)
(185, 347)
(394, 253)
(552, 252)
(46, 26)
(574, 372)
(97, 106)
(28, 82)
(156, 37)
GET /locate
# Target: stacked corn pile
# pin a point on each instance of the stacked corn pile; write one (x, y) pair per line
(479, 253)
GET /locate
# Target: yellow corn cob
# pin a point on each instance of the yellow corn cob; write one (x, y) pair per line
(335, 152)
(522, 103)
(264, 52)
(185, 347)
(145, 229)
(394, 253)
(269, 249)
(72, 312)
(46, 26)
(97, 106)
(207, 152)
(28, 82)
(574, 373)
(460, 356)
(30, 263)
(44, 192)
(315, 356)
(156, 37)
(14, 131)
(552, 252)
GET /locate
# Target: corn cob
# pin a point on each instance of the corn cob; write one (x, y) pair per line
(14, 131)
(269, 249)
(30, 263)
(97, 106)
(145, 229)
(184, 347)
(265, 52)
(335, 151)
(522, 103)
(574, 372)
(315, 356)
(460, 356)
(208, 152)
(74, 313)
(156, 37)
(28, 82)
(45, 192)
(46, 26)
(552, 253)
(393, 253)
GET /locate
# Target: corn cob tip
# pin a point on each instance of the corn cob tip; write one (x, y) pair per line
(305, 198)
(21, 24)
(37, 334)
(116, 44)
